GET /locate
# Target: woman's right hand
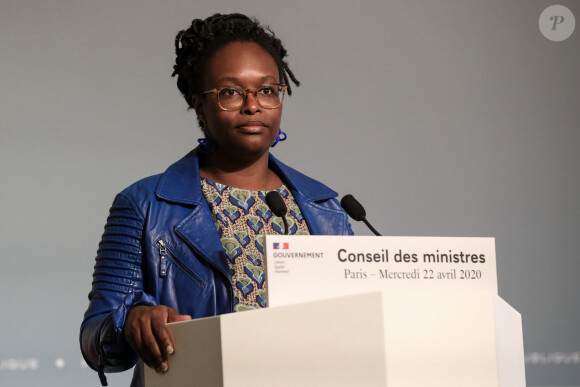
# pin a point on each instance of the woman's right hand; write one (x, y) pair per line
(146, 332)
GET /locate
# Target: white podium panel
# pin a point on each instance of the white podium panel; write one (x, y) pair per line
(440, 338)
(407, 338)
(510, 345)
(335, 342)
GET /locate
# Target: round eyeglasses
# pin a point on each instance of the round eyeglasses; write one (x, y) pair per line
(269, 96)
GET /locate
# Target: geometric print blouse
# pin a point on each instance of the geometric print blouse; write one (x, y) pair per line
(242, 218)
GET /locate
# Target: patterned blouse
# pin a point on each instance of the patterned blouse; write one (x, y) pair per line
(242, 218)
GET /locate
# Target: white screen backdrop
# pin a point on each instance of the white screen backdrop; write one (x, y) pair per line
(444, 118)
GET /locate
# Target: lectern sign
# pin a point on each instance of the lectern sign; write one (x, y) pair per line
(305, 268)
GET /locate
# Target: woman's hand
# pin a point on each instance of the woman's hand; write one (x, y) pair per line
(146, 332)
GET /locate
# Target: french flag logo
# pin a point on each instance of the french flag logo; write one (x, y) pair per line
(283, 246)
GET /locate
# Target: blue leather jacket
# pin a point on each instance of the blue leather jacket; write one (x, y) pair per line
(160, 246)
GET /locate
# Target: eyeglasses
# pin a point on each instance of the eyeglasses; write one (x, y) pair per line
(269, 96)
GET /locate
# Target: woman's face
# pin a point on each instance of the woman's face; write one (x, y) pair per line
(250, 130)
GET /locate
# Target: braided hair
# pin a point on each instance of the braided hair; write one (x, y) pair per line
(195, 46)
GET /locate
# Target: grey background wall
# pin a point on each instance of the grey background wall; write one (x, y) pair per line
(445, 118)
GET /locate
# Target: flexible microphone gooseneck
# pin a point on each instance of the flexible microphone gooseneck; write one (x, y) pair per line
(356, 211)
(278, 207)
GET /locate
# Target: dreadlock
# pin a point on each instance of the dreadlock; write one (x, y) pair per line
(195, 46)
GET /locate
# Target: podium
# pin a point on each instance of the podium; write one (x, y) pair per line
(415, 332)
(402, 339)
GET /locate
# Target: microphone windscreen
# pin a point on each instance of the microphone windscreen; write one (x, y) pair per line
(353, 208)
(276, 203)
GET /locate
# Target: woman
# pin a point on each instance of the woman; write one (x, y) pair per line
(189, 243)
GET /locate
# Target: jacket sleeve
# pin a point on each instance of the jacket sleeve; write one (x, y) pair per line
(117, 286)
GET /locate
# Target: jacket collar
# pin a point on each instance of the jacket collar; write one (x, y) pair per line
(180, 182)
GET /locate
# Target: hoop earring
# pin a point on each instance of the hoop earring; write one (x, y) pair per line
(280, 137)
(206, 144)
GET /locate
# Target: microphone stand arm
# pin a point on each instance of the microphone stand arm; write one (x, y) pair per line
(370, 227)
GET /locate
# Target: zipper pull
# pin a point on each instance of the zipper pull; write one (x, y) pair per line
(162, 259)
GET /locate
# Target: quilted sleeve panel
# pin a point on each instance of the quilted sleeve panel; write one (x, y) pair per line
(117, 286)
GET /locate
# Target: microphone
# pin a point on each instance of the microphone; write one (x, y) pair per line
(278, 207)
(356, 211)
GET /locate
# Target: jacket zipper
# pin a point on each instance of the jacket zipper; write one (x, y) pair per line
(165, 254)
(219, 270)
